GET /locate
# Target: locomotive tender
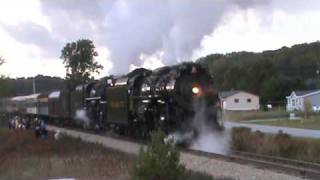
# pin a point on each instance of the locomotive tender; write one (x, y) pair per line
(167, 98)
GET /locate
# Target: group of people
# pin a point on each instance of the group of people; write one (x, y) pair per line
(19, 123)
(37, 124)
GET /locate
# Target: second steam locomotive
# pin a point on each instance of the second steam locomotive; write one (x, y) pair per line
(135, 104)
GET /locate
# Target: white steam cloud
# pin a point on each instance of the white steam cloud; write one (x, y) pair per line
(128, 29)
(132, 31)
(175, 28)
(82, 118)
(209, 139)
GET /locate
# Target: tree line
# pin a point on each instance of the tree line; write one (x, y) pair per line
(270, 74)
(24, 86)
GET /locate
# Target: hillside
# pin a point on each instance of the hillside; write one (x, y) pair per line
(271, 74)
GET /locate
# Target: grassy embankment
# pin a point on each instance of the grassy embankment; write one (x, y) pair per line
(22, 156)
(282, 145)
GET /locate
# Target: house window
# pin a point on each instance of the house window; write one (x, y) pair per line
(249, 100)
(293, 102)
(236, 100)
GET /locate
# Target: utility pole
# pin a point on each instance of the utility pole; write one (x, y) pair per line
(34, 85)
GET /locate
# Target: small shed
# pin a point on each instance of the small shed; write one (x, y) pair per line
(239, 101)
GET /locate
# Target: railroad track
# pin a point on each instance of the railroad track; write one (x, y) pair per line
(284, 161)
(289, 166)
(283, 165)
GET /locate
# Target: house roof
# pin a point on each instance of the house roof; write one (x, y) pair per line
(304, 93)
(23, 98)
(225, 94)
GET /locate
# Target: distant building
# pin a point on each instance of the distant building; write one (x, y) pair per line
(298, 99)
(239, 101)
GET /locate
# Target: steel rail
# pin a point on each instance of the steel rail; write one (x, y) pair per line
(282, 165)
(297, 163)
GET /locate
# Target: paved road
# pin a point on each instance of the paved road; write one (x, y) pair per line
(215, 167)
(275, 129)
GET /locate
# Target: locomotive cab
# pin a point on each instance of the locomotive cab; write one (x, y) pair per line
(122, 103)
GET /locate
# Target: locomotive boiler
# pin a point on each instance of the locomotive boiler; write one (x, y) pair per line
(166, 98)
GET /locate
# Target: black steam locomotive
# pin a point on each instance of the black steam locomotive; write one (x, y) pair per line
(168, 98)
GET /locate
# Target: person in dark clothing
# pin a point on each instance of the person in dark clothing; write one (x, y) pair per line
(10, 124)
(28, 124)
(43, 129)
(37, 128)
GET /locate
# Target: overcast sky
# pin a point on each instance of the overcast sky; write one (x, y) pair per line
(144, 33)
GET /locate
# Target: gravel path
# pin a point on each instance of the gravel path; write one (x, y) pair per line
(217, 168)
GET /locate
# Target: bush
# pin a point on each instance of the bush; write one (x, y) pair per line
(238, 136)
(159, 161)
(281, 144)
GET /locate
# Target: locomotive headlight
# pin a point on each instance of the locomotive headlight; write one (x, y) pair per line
(195, 90)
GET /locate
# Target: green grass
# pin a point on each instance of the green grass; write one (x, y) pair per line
(312, 123)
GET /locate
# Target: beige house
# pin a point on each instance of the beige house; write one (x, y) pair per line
(239, 101)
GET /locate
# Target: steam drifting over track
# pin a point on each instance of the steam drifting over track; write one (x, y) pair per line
(237, 166)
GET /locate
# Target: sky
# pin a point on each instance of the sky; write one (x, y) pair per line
(141, 33)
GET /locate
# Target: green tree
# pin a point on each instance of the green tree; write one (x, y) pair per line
(159, 161)
(307, 109)
(4, 85)
(270, 74)
(5, 89)
(79, 61)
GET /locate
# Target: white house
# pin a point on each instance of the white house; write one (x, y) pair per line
(239, 101)
(298, 99)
